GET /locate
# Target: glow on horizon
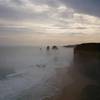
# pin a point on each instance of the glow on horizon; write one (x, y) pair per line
(43, 40)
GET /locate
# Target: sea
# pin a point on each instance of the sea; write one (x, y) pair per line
(32, 73)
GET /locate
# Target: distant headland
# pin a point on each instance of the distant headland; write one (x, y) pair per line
(69, 46)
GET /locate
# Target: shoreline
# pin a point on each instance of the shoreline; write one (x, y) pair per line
(74, 90)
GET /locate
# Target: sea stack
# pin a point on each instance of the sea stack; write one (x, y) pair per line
(87, 60)
(54, 47)
(48, 48)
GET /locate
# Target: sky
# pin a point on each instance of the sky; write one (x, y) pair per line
(48, 22)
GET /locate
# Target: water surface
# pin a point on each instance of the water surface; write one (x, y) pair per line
(31, 73)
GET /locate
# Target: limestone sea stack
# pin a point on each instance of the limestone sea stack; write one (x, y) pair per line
(54, 47)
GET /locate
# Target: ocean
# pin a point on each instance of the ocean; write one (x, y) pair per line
(31, 73)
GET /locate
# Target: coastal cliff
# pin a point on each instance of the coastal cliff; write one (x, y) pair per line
(87, 59)
(84, 73)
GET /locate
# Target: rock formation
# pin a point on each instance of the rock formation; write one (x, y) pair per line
(87, 59)
(48, 48)
(54, 47)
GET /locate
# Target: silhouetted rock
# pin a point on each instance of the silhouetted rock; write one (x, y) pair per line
(93, 47)
(48, 47)
(41, 65)
(87, 60)
(54, 47)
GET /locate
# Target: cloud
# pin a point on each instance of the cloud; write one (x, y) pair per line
(25, 11)
(14, 30)
(48, 17)
(17, 2)
(52, 3)
(91, 7)
(9, 12)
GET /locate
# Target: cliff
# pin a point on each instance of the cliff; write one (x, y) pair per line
(87, 59)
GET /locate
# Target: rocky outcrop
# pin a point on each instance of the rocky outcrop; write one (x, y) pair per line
(48, 48)
(69, 46)
(87, 59)
(54, 47)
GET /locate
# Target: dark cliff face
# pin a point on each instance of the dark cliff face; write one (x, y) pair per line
(88, 47)
(87, 60)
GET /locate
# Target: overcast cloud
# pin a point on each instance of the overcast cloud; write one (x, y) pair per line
(91, 7)
(49, 17)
